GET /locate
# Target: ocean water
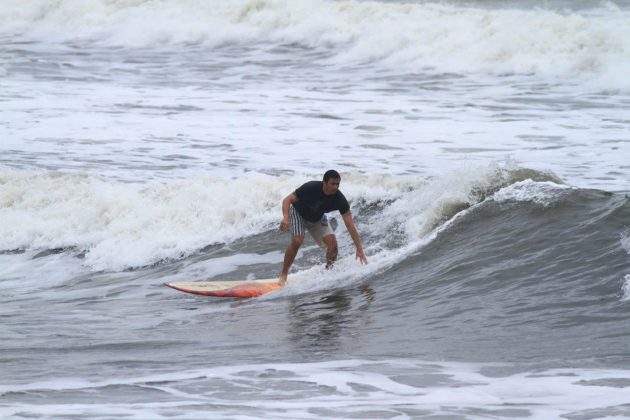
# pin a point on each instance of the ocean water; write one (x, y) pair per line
(484, 147)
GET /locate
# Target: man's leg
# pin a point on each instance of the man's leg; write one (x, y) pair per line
(296, 227)
(289, 257)
(331, 249)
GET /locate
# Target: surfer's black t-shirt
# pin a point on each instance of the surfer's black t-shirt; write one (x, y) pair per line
(312, 203)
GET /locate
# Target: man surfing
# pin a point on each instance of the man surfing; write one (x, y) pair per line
(306, 208)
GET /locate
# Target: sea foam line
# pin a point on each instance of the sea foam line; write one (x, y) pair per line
(349, 387)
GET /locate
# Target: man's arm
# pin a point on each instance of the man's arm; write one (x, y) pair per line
(288, 200)
(354, 234)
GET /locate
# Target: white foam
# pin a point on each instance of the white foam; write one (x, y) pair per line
(625, 288)
(426, 207)
(23, 275)
(126, 225)
(414, 35)
(347, 388)
(542, 193)
(625, 240)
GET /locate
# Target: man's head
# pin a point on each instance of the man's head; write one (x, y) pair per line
(331, 182)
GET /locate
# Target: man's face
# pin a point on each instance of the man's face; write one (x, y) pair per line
(331, 186)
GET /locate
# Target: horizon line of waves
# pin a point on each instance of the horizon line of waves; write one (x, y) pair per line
(445, 37)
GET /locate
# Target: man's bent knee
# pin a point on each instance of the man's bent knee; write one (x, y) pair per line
(330, 241)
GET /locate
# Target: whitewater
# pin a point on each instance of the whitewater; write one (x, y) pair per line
(483, 146)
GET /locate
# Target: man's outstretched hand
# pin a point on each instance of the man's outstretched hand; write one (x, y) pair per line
(361, 257)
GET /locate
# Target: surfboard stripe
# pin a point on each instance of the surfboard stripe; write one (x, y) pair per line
(240, 289)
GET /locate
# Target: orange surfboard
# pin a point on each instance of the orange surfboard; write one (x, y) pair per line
(237, 289)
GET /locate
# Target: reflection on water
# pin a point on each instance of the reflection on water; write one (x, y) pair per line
(325, 323)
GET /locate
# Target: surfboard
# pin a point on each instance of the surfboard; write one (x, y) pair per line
(237, 289)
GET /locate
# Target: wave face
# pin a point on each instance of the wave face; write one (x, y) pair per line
(535, 268)
(489, 256)
(461, 38)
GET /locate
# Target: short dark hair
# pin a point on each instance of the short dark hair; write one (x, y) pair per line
(331, 174)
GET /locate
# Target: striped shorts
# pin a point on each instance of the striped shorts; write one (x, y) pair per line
(318, 230)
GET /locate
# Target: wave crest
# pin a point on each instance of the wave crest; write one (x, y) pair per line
(413, 36)
(121, 225)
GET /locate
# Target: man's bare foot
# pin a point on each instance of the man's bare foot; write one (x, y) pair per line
(282, 280)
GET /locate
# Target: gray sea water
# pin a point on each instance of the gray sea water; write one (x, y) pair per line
(483, 146)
